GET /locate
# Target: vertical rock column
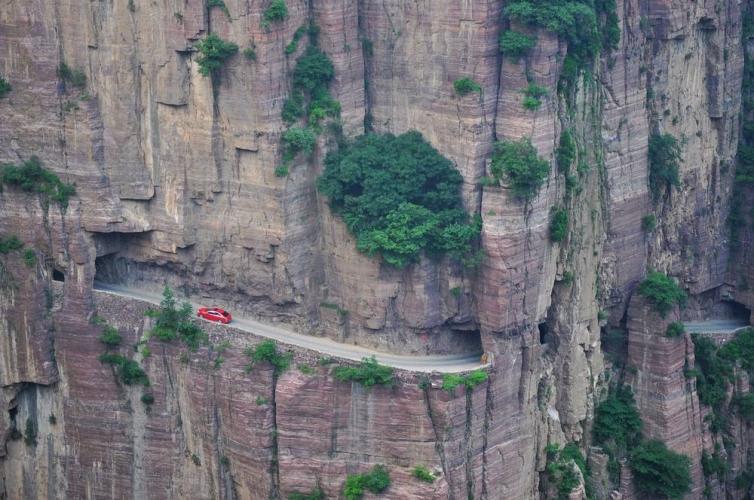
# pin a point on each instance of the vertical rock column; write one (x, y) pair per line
(667, 401)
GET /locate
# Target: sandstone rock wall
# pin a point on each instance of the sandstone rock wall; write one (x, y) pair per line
(175, 183)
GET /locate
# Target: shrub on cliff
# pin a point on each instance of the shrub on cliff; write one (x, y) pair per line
(33, 178)
(75, 77)
(662, 291)
(376, 481)
(128, 371)
(558, 224)
(214, 51)
(616, 420)
(10, 243)
(4, 87)
(533, 95)
(518, 163)
(451, 380)
(664, 160)
(276, 12)
(368, 373)
(659, 471)
(110, 336)
(267, 351)
(466, 85)
(315, 494)
(421, 473)
(675, 329)
(515, 45)
(566, 152)
(713, 372)
(399, 197)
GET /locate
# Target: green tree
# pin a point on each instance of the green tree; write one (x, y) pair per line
(659, 471)
(399, 197)
(515, 45)
(464, 86)
(368, 373)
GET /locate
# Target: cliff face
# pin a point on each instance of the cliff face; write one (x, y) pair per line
(175, 184)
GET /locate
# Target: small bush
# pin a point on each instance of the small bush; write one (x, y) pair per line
(32, 177)
(649, 223)
(276, 12)
(110, 336)
(313, 70)
(75, 77)
(52, 419)
(521, 166)
(616, 420)
(659, 471)
(147, 398)
(744, 405)
(129, 372)
(675, 329)
(566, 152)
(267, 351)
(30, 433)
(250, 54)
(299, 140)
(9, 244)
(558, 224)
(281, 171)
(714, 464)
(533, 96)
(4, 87)
(465, 86)
(713, 372)
(260, 401)
(368, 373)
(663, 292)
(423, 474)
(560, 471)
(214, 51)
(515, 45)
(291, 47)
(29, 257)
(305, 369)
(452, 380)
(376, 481)
(664, 160)
(195, 458)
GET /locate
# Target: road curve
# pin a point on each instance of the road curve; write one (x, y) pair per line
(449, 364)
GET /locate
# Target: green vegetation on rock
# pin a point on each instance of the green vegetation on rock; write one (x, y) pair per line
(566, 152)
(560, 471)
(75, 77)
(31, 177)
(660, 472)
(662, 291)
(375, 481)
(675, 329)
(5, 87)
(558, 224)
(533, 94)
(452, 380)
(276, 12)
(367, 373)
(464, 86)
(664, 160)
(399, 197)
(213, 52)
(267, 351)
(10, 243)
(421, 473)
(129, 372)
(519, 165)
(110, 336)
(515, 45)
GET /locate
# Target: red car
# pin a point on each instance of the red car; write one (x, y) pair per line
(215, 314)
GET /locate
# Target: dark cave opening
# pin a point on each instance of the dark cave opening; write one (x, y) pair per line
(544, 332)
(58, 275)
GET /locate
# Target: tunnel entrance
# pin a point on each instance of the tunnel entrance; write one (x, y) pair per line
(544, 333)
(57, 275)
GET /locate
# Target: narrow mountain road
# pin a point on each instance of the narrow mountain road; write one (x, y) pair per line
(450, 364)
(723, 326)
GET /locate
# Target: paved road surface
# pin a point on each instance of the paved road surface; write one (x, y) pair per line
(715, 326)
(454, 363)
